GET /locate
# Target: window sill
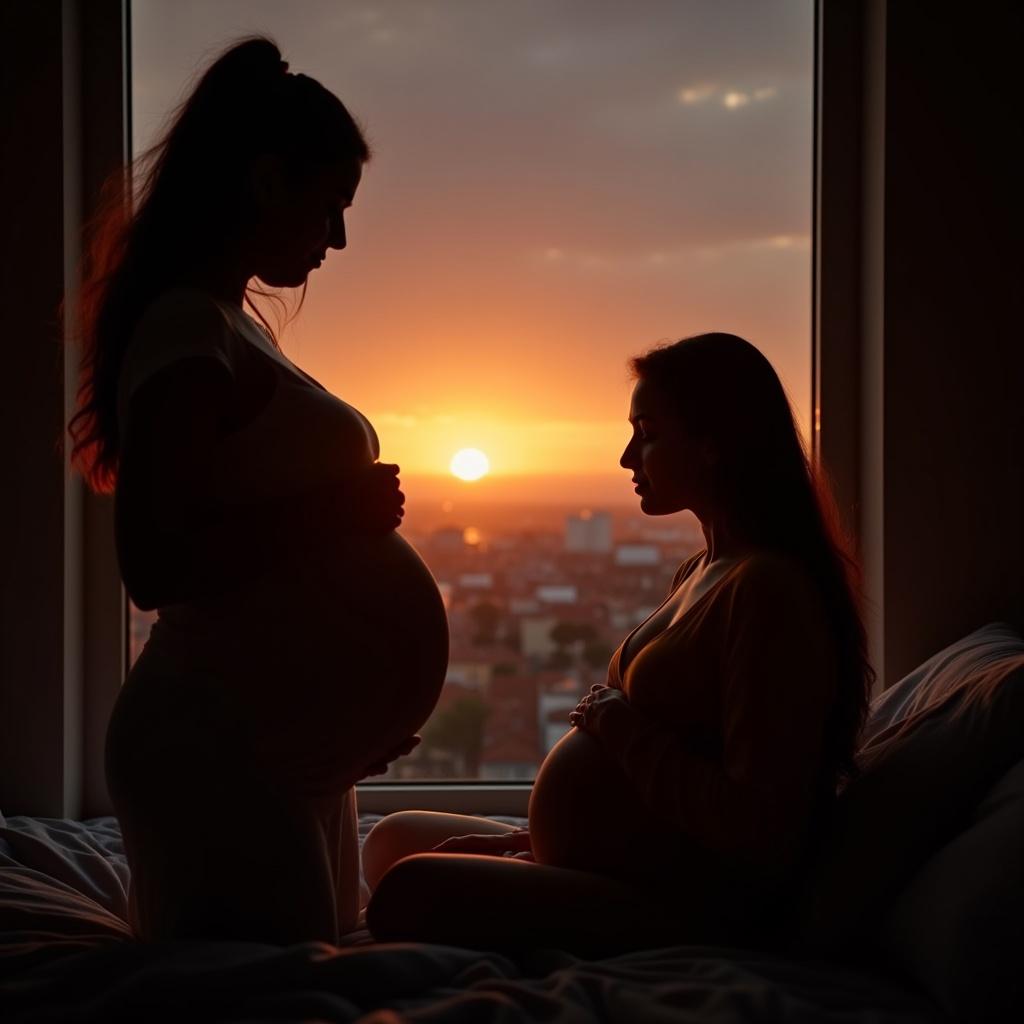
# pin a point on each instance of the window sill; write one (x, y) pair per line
(484, 798)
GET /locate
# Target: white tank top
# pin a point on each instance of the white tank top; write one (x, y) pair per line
(304, 436)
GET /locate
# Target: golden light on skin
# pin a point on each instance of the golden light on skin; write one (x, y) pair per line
(469, 464)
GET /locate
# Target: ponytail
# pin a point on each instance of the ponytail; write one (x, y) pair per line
(190, 188)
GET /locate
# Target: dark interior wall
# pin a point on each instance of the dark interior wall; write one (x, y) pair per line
(32, 410)
(62, 127)
(953, 360)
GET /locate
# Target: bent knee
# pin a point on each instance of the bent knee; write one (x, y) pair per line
(404, 906)
(396, 836)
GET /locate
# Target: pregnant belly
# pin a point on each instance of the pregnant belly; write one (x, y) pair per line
(379, 626)
(585, 814)
(335, 659)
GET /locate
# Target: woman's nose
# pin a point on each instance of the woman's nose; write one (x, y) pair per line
(336, 238)
(624, 459)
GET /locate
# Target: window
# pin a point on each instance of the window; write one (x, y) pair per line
(555, 187)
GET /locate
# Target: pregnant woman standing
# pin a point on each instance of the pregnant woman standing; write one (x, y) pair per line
(300, 642)
(683, 803)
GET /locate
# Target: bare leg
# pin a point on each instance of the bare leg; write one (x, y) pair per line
(501, 903)
(341, 833)
(215, 851)
(408, 832)
(204, 867)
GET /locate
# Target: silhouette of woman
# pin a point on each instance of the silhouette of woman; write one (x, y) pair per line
(682, 803)
(300, 642)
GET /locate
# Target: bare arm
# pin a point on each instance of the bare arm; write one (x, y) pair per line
(175, 540)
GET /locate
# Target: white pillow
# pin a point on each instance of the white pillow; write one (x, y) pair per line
(960, 666)
(936, 743)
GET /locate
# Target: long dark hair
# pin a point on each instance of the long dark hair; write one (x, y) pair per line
(726, 393)
(188, 188)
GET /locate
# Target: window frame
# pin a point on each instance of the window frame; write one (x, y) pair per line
(62, 602)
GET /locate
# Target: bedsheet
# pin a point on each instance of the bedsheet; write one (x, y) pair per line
(66, 955)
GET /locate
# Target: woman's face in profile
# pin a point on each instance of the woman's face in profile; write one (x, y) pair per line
(301, 219)
(670, 468)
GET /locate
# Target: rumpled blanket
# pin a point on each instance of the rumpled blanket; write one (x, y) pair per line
(66, 955)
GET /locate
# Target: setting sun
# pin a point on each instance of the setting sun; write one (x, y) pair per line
(469, 464)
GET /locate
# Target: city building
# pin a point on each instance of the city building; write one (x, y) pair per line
(637, 554)
(511, 747)
(589, 532)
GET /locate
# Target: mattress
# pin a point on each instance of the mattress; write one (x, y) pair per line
(67, 955)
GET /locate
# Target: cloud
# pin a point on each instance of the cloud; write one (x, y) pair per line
(396, 419)
(638, 261)
(694, 94)
(730, 98)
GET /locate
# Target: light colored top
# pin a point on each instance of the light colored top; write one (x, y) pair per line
(732, 701)
(352, 617)
(303, 437)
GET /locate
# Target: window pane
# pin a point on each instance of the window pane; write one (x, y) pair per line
(554, 188)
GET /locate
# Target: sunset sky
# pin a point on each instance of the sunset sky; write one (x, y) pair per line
(556, 185)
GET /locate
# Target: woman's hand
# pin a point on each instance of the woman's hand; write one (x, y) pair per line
(373, 502)
(505, 844)
(601, 702)
(407, 746)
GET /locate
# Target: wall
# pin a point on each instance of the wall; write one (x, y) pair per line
(919, 367)
(32, 579)
(952, 369)
(61, 603)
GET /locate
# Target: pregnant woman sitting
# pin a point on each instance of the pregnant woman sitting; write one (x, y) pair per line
(300, 641)
(683, 801)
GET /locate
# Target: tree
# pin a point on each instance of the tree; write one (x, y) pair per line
(459, 729)
(597, 654)
(559, 660)
(565, 634)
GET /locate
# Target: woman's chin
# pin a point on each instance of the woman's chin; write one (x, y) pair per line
(650, 506)
(285, 279)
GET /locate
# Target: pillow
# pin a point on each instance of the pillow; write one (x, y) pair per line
(961, 667)
(934, 744)
(958, 927)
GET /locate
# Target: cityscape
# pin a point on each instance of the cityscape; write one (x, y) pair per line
(538, 599)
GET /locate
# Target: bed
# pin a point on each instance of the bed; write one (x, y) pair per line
(886, 948)
(66, 955)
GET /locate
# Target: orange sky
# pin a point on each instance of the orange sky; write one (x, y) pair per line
(554, 188)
